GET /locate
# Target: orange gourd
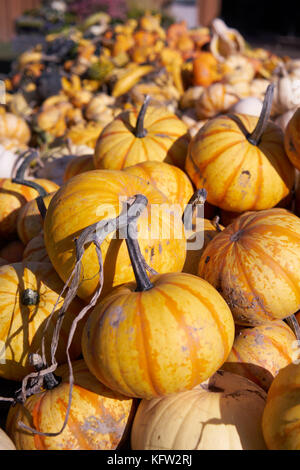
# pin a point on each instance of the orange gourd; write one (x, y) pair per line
(205, 69)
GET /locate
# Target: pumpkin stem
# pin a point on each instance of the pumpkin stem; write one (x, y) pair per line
(137, 261)
(32, 154)
(294, 325)
(255, 136)
(140, 131)
(197, 199)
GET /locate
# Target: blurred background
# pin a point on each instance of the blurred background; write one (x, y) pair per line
(272, 24)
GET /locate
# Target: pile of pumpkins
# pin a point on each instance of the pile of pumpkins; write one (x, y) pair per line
(180, 333)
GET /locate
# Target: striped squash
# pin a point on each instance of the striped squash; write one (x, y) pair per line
(240, 160)
(281, 416)
(169, 179)
(29, 292)
(155, 342)
(216, 98)
(255, 264)
(259, 353)
(153, 134)
(99, 418)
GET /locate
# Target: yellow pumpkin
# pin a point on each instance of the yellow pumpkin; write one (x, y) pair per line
(240, 160)
(153, 134)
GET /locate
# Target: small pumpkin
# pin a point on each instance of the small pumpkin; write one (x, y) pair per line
(215, 99)
(241, 161)
(166, 334)
(78, 165)
(152, 134)
(14, 127)
(259, 353)
(99, 418)
(205, 69)
(254, 263)
(292, 139)
(209, 417)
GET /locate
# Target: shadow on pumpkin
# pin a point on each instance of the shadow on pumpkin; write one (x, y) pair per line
(257, 374)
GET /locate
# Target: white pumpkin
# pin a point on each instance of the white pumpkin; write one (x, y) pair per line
(250, 105)
(286, 93)
(223, 413)
(8, 161)
(283, 119)
(5, 442)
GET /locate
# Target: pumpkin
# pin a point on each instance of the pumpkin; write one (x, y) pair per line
(8, 160)
(240, 160)
(280, 420)
(99, 418)
(78, 165)
(158, 336)
(14, 127)
(169, 179)
(35, 250)
(96, 195)
(292, 139)
(237, 68)
(254, 263)
(250, 105)
(5, 442)
(12, 251)
(85, 133)
(205, 69)
(153, 134)
(283, 119)
(215, 99)
(30, 221)
(223, 413)
(259, 353)
(206, 231)
(286, 93)
(31, 291)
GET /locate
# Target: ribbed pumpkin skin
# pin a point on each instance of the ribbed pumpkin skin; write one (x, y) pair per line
(161, 341)
(169, 179)
(5, 442)
(22, 326)
(35, 250)
(292, 139)
(93, 196)
(255, 264)
(237, 175)
(79, 165)
(14, 127)
(97, 421)
(259, 353)
(222, 414)
(215, 99)
(12, 197)
(281, 417)
(29, 221)
(193, 256)
(166, 140)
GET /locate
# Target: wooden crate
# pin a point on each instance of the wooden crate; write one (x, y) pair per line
(10, 10)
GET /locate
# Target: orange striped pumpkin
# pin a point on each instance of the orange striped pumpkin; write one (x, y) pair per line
(29, 221)
(281, 416)
(238, 172)
(28, 294)
(159, 341)
(292, 139)
(255, 264)
(216, 98)
(153, 134)
(12, 197)
(169, 179)
(14, 127)
(99, 418)
(35, 250)
(96, 195)
(78, 165)
(259, 353)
